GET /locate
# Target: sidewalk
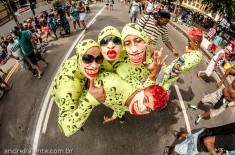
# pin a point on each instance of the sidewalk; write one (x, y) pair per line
(184, 29)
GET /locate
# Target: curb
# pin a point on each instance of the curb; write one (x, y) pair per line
(205, 52)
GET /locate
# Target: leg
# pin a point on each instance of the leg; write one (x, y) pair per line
(209, 143)
(228, 72)
(74, 25)
(201, 73)
(78, 22)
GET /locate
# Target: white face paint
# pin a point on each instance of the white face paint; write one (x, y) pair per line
(137, 106)
(111, 51)
(136, 53)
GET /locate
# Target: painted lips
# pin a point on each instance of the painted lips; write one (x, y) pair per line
(136, 58)
(111, 54)
(91, 72)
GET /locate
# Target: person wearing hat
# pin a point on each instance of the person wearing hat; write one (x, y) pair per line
(77, 89)
(155, 25)
(217, 60)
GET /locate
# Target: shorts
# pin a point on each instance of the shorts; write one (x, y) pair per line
(134, 14)
(75, 18)
(34, 58)
(46, 29)
(210, 67)
(213, 47)
(82, 16)
(213, 99)
(225, 141)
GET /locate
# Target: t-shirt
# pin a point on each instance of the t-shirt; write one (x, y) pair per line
(215, 57)
(150, 7)
(74, 11)
(218, 40)
(135, 7)
(25, 43)
(147, 23)
(15, 49)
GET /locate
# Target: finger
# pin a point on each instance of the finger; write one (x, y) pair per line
(164, 59)
(145, 64)
(92, 84)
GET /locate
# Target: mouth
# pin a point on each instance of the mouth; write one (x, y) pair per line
(136, 58)
(92, 72)
(111, 54)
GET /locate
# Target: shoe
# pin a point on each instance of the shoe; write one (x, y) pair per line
(35, 73)
(40, 75)
(176, 134)
(198, 118)
(166, 150)
(46, 64)
(191, 106)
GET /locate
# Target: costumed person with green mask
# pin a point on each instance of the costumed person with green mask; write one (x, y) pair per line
(110, 42)
(187, 61)
(135, 42)
(69, 86)
(76, 102)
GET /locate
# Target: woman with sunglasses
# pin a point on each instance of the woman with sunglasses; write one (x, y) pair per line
(74, 101)
(110, 42)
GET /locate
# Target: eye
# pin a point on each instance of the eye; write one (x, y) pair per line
(127, 43)
(138, 40)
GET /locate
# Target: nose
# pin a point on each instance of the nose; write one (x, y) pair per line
(134, 49)
(94, 65)
(110, 45)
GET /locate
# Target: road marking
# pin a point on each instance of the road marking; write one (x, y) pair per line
(11, 72)
(183, 109)
(93, 21)
(43, 112)
(47, 116)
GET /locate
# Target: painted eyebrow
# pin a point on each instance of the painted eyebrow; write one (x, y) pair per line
(147, 98)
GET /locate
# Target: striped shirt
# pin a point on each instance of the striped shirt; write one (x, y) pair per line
(147, 23)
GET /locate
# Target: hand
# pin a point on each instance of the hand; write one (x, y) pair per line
(97, 93)
(176, 54)
(129, 11)
(35, 51)
(156, 65)
(107, 119)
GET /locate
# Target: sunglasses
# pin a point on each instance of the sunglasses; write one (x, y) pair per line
(87, 59)
(114, 39)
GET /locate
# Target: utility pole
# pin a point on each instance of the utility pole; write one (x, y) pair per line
(12, 13)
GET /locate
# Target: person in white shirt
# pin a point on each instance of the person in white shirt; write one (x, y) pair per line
(15, 51)
(149, 7)
(217, 60)
(135, 9)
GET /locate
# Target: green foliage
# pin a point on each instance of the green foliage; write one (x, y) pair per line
(57, 3)
(226, 7)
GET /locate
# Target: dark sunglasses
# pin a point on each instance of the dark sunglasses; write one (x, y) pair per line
(114, 39)
(87, 59)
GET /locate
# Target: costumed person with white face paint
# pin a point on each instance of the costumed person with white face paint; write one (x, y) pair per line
(69, 84)
(76, 102)
(133, 69)
(110, 42)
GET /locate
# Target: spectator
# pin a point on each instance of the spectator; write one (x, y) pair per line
(217, 60)
(107, 4)
(134, 10)
(155, 25)
(82, 14)
(64, 22)
(212, 32)
(15, 51)
(111, 3)
(75, 15)
(222, 98)
(149, 7)
(230, 71)
(45, 29)
(28, 45)
(52, 24)
(217, 41)
(205, 140)
(87, 4)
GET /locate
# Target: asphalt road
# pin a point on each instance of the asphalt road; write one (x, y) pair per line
(28, 117)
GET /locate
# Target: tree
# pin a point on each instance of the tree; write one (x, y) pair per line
(223, 7)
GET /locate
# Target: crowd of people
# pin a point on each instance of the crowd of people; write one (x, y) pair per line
(125, 72)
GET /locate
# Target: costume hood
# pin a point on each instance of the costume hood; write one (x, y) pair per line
(134, 29)
(82, 48)
(109, 30)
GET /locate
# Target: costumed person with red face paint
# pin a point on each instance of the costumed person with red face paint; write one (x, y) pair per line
(110, 42)
(185, 62)
(133, 69)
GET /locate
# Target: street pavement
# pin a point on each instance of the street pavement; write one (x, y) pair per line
(28, 117)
